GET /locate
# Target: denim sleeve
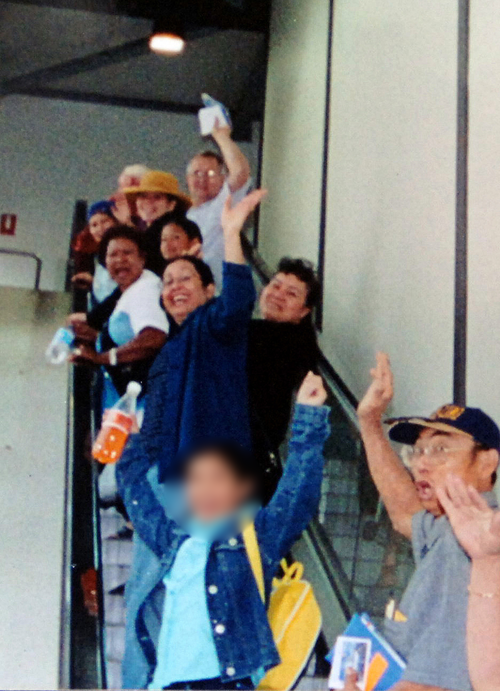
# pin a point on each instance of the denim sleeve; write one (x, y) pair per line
(146, 513)
(157, 389)
(297, 497)
(234, 306)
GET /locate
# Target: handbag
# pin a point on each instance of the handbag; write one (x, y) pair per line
(293, 613)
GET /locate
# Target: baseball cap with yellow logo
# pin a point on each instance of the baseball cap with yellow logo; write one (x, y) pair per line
(471, 422)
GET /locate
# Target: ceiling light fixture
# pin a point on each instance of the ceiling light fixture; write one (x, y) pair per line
(166, 43)
(167, 37)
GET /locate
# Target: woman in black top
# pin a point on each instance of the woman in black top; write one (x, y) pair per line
(282, 349)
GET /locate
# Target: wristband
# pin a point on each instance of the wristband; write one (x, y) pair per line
(113, 357)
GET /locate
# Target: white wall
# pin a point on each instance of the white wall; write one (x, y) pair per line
(484, 209)
(54, 152)
(391, 196)
(293, 129)
(391, 184)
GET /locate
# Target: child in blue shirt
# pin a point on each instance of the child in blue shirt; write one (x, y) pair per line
(202, 623)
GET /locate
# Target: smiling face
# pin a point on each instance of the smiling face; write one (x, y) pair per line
(284, 299)
(204, 179)
(152, 205)
(124, 262)
(213, 488)
(174, 241)
(99, 223)
(452, 453)
(183, 290)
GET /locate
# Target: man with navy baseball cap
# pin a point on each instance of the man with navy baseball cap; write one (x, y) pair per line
(430, 629)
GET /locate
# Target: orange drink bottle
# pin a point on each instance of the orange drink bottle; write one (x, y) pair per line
(116, 426)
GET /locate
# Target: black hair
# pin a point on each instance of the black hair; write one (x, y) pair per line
(236, 457)
(191, 228)
(121, 231)
(304, 271)
(202, 269)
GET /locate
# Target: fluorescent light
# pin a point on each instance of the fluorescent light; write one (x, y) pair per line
(167, 44)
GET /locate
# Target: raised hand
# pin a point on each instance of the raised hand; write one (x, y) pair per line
(220, 130)
(380, 392)
(312, 390)
(476, 525)
(234, 217)
(195, 251)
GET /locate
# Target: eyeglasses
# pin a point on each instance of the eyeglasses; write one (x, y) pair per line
(433, 455)
(210, 174)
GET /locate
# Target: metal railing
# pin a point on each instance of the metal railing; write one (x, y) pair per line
(81, 640)
(30, 255)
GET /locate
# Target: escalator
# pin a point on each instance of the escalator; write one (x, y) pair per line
(352, 556)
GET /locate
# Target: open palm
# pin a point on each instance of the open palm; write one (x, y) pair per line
(381, 390)
(234, 217)
(476, 525)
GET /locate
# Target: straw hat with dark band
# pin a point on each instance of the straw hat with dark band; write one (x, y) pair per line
(160, 182)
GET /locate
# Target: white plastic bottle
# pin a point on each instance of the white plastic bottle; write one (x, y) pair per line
(60, 346)
(116, 426)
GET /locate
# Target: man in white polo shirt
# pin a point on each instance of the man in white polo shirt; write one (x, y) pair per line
(211, 177)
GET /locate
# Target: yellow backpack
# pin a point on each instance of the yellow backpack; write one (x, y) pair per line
(294, 617)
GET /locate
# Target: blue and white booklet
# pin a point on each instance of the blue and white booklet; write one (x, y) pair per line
(386, 665)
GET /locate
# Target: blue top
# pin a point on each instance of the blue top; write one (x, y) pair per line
(239, 626)
(185, 612)
(185, 618)
(197, 386)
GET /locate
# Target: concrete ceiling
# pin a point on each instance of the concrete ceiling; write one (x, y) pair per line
(96, 50)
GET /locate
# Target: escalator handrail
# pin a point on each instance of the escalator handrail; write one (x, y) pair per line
(78, 415)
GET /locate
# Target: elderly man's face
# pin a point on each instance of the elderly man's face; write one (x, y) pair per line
(204, 179)
(448, 453)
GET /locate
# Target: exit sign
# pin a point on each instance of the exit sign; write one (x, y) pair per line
(8, 223)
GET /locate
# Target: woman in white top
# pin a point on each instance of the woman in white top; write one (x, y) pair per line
(124, 333)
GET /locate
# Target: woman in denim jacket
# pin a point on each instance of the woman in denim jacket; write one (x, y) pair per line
(211, 631)
(197, 387)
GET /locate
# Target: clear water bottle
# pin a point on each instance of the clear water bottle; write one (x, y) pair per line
(116, 426)
(60, 346)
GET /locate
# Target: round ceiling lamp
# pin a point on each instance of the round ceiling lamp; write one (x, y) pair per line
(166, 38)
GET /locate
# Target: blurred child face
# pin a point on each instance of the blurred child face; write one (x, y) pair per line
(174, 241)
(183, 291)
(152, 205)
(213, 489)
(99, 224)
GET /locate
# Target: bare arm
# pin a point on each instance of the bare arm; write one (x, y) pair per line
(146, 344)
(234, 158)
(233, 219)
(393, 481)
(477, 528)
